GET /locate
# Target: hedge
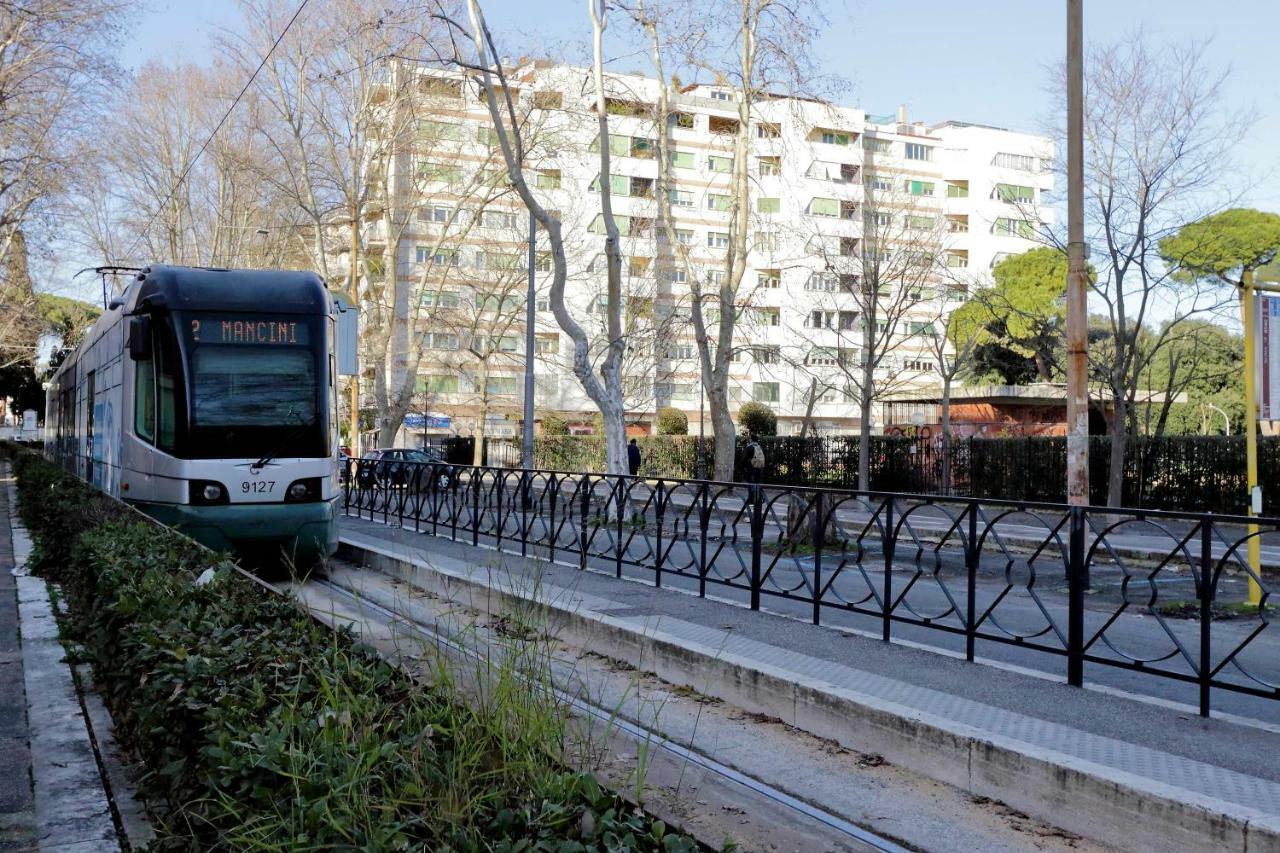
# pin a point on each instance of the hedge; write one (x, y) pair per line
(259, 727)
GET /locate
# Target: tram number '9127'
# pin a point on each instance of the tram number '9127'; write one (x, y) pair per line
(257, 487)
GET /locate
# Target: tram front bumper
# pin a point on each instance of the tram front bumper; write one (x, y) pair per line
(302, 532)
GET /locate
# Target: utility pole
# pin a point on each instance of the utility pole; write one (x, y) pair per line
(1247, 310)
(530, 303)
(355, 306)
(1077, 272)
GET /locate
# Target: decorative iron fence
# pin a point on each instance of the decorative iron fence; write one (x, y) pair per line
(1189, 473)
(1169, 589)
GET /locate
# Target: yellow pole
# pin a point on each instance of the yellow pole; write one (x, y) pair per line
(1251, 430)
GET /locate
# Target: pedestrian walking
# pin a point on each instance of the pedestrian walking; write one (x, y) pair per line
(633, 457)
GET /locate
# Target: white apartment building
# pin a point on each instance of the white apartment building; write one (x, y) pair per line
(827, 183)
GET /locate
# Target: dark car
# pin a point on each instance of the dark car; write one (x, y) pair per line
(403, 468)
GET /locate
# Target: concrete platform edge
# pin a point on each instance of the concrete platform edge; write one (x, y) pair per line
(1081, 796)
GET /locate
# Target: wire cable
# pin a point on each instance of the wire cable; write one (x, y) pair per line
(221, 122)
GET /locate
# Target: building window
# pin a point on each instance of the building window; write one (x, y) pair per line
(764, 392)
(439, 299)
(680, 198)
(717, 240)
(768, 130)
(921, 223)
(440, 340)
(769, 166)
(623, 223)
(547, 344)
(715, 277)
(957, 189)
(879, 182)
(822, 282)
(834, 137)
(618, 185)
(766, 241)
(957, 260)
(1015, 194)
(684, 120)
(676, 276)
(768, 205)
(769, 278)
(918, 187)
(684, 236)
(916, 151)
(720, 164)
(824, 207)
(544, 262)
(440, 257)
(502, 386)
(822, 356)
(680, 352)
(720, 95)
(433, 214)
(766, 354)
(498, 219)
(681, 159)
(1014, 228)
(547, 179)
(1021, 162)
(438, 384)
(768, 316)
(877, 146)
(717, 202)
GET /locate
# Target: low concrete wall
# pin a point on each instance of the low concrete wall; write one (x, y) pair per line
(1099, 802)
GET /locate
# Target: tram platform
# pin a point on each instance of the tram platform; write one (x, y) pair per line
(1129, 771)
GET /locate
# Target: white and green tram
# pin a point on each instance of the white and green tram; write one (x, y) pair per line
(207, 399)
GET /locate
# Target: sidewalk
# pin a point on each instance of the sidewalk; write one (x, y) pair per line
(1134, 774)
(17, 812)
(52, 795)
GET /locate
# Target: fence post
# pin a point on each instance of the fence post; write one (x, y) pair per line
(703, 523)
(585, 510)
(819, 528)
(1075, 600)
(657, 562)
(889, 545)
(1207, 589)
(757, 540)
(972, 557)
(554, 485)
(619, 485)
(475, 506)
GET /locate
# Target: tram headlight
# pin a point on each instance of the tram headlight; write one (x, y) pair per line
(307, 489)
(208, 492)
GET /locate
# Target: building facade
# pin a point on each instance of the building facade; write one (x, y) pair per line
(852, 216)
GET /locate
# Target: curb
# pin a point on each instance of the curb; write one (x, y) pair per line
(1094, 800)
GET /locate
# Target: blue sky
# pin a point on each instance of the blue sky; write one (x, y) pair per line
(982, 61)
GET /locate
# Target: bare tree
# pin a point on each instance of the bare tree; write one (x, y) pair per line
(1157, 153)
(875, 315)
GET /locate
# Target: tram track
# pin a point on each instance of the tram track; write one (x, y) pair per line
(743, 799)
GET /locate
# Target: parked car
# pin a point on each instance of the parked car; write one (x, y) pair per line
(394, 467)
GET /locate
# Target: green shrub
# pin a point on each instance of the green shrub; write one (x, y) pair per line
(261, 728)
(758, 420)
(672, 421)
(554, 424)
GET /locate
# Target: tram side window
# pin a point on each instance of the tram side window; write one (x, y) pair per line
(155, 390)
(144, 400)
(168, 369)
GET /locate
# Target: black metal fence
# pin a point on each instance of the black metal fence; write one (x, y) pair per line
(1191, 473)
(1168, 592)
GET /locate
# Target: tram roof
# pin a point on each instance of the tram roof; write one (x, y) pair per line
(212, 288)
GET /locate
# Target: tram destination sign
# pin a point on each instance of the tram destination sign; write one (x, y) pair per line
(241, 329)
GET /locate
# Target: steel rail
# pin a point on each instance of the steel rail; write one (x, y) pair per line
(635, 731)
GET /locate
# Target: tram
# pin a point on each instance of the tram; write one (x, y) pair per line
(207, 399)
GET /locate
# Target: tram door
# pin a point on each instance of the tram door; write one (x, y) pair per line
(89, 382)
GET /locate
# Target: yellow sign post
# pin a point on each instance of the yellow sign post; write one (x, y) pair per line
(1251, 431)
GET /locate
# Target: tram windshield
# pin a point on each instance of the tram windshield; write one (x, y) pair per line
(256, 386)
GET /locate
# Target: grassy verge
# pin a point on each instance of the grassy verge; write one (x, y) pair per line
(260, 728)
